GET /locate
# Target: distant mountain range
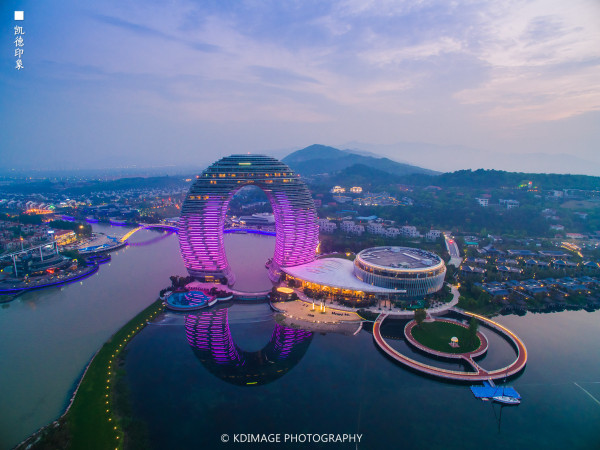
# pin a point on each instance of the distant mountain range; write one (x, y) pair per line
(450, 158)
(321, 159)
(349, 167)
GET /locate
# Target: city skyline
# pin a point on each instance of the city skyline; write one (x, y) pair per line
(459, 85)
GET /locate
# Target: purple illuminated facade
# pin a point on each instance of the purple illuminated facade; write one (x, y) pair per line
(203, 215)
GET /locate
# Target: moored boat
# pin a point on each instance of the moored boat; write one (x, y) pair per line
(506, 400)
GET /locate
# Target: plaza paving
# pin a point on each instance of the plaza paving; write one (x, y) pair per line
(304, 311)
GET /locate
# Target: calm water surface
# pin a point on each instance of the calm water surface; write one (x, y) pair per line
(49, 336)
(343, 384)
(247, 255)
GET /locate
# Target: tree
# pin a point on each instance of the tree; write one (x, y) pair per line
(30, 219)
(74, 254)
(472, 331)
(420, 316)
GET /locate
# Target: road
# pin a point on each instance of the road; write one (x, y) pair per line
(455, 258)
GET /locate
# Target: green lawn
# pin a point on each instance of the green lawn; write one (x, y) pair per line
(436, 336)
(90, 420)
(91, 423)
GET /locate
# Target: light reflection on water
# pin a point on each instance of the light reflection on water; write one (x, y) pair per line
(339, 383)
(343, 384)
(210, 336)
(48, 336)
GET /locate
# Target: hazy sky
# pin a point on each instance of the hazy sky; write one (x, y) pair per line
(148, 82)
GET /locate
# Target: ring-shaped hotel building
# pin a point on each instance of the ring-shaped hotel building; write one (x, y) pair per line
(203, 215)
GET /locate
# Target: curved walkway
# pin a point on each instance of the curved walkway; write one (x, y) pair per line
(481, 375)
(145, 226)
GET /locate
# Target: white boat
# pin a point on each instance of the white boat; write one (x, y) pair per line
(505, 400)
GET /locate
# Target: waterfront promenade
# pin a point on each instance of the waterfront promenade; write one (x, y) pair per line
(9, 287)
(304, 311)
(480, 374)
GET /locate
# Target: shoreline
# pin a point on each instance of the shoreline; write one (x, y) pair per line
(93, 268)
(81, 418)
(18, 291)
(55, 423)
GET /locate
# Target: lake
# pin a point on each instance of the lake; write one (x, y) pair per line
(327, 382)
(49, 336)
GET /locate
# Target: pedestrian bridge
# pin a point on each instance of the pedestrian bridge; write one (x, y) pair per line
(149, 226)
(175, 228)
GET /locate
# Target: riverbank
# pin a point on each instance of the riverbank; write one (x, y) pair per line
(90, 421)
(13, 288)
(493, 308)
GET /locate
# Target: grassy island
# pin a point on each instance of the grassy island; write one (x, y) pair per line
(437, 335)
(91, 422)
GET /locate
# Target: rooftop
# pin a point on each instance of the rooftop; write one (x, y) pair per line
(399, 257)
(333, 272)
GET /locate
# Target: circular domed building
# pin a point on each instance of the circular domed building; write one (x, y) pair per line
(398, 273)
(415, 271)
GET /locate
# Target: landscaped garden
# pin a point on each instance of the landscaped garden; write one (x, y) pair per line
(437, 336)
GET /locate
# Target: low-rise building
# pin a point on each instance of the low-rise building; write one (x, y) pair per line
(326, 226)
(471, 260)
(510, 204)
(342, 198)
(433, 235)
(472, 270)
(349, 227)
(508, 269)
(392, 232)
(375, 228)
(575, 236)
(410, 231)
